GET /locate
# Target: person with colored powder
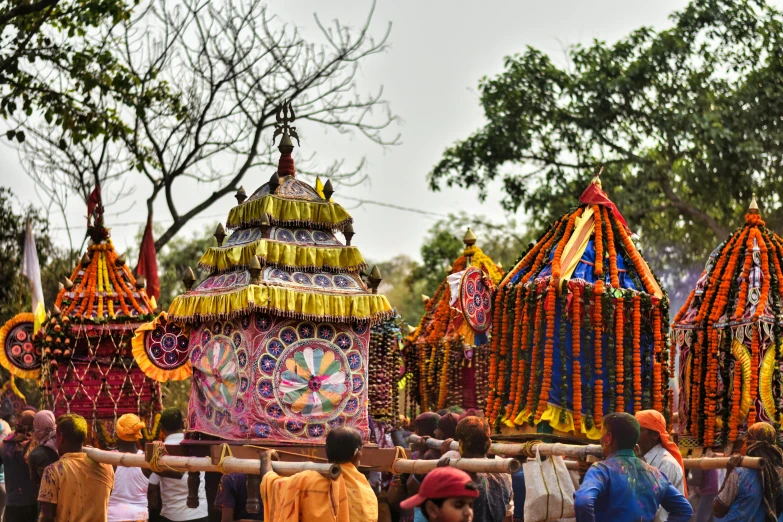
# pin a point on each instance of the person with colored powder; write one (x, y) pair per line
(495, 502)
(310, 497)
(21, 491)
(753, 495)
(406, 485)
(128, 500)
(624, 487)
(446, 495)
(75, 488)
(43, 450)
(661, 453)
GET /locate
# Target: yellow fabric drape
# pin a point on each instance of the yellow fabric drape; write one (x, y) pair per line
(575, 248)
(142, 359)
(362, 502)
(305, 496)
(289, 212)
(552, 415)
(284, 254)
(283, 301)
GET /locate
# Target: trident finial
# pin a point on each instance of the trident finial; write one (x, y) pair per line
(597, 175)
(285, 116)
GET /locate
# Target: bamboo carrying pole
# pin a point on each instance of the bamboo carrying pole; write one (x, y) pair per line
(230, 464)
(504, 448)
(581, 452)
(471, 465)
(722, 463)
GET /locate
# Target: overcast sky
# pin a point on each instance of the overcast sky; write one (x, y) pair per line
(439, 50)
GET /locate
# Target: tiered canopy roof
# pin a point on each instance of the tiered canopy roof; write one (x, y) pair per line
(283, 257)
(102, 289)
(728, 336)
(579, 326)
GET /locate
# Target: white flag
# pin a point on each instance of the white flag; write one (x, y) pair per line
(32, 271)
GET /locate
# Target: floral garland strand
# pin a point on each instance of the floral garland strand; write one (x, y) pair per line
(515, 351)
(534, 362)
(493, 354)
(549, 344)
(619, 328)
(614, 277)
(563, 360)
(598, 244)
(637, 353)
(598, 290)
(543, 254)
(576, 335)
(657, 391)
(522, 350)
(532, 253)
(530, 321)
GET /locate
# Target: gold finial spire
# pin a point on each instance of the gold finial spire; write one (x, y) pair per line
(597, 175)
(754, 206)
(470, 238)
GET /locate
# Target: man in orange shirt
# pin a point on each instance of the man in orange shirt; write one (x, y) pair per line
(75, 488)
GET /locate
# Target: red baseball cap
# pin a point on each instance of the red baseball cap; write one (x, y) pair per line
(442, 483)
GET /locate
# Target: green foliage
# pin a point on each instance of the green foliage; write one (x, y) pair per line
(67, 39)
(15, 290)
(686, 122)
(179, 254)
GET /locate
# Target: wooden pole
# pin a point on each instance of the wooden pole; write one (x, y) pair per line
(471, 465)
(230, 464)
(722, 463)
(509, 449)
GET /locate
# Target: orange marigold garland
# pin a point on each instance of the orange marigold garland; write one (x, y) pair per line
(598, 244)
(637, 353)
(598, 290)
(619, 329)
(529, 407)
(517, 395)
(493, 357)
(576, 337)
(515, 349)
(549, 344)
(614, 278)
(657, 398)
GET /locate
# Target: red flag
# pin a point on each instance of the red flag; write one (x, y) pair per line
(148, 261)
(593, 195)
(93, 201)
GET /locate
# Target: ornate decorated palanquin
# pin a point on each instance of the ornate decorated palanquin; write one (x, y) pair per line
(82, 354)
(447, 355)
(579, 328)
(279, 331)
(728, 336)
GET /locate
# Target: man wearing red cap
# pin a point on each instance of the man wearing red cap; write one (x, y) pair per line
(446, 495)
(660, 452)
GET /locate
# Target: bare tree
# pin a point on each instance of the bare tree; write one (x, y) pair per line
(228, 64)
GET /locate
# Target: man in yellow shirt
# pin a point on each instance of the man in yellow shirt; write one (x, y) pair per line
(75, 488)
(310, 497)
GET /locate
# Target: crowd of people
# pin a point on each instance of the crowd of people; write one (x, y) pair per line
(47, 477)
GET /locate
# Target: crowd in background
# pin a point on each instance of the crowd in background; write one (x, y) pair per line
(47, 476)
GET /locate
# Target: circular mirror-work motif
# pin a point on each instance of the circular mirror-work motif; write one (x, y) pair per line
(20, 349)
(167, 346)
(313, 381)
(309, 375)
(261, 430)
(263, 321)
(220, 370)
(360, 327)
(316, 431)
(303, 236)
(475, 299)
(306, 330)
(284, 235)
(302, 279)
(326, 331)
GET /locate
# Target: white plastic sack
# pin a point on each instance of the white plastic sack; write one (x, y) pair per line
(549, 490)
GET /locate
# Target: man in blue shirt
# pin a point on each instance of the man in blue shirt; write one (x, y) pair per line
(623, 488)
